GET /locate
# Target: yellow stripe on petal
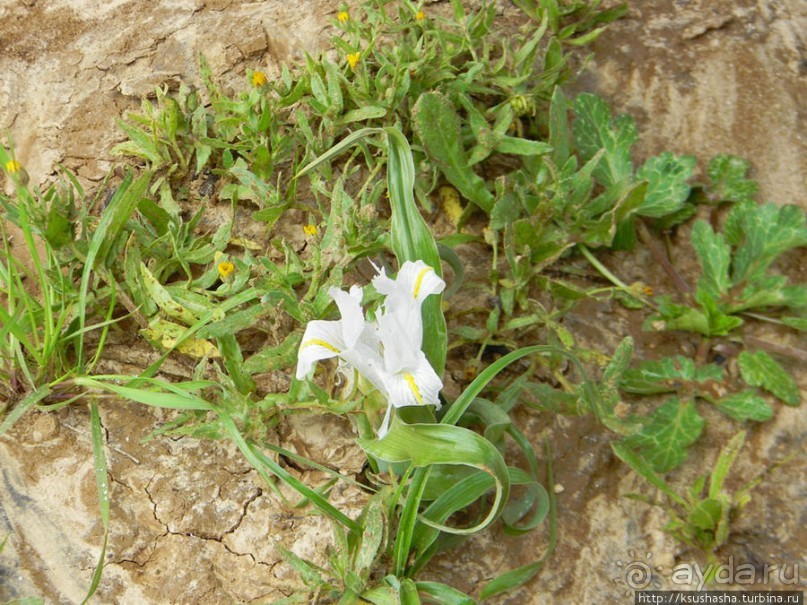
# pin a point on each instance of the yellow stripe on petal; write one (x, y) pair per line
(413, 385)
(319, 343)
(419, 280)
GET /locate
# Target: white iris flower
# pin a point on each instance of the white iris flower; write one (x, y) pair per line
(352, 339)
(386, 352)
(410, 378)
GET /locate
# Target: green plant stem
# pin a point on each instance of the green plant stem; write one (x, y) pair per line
(661, 257)
(603, 269)
(618, 283)
(773, 347)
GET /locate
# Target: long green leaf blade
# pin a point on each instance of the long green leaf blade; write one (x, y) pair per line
(412, 240)
(425, 445)
(102, 483)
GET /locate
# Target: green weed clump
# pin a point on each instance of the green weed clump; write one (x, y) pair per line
(338, 161)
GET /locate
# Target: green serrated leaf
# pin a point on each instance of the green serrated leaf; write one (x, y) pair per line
(668, 432)
(545, 397)
(141, 145)
(642, 468)
(669, 374)
(709, 320)
(714, 256)
(761, 370)
(609, 384)
(761, 234)
(747, 405)
(729, 184)
(595, 129)
(668, 188)
(718, 322)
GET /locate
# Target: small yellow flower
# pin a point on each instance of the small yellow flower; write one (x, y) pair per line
(226, 269)
(15, 169)
(647, 291)
(353, 59)
(343, 17)
(420, 16)
(310, 229)
(258, 79)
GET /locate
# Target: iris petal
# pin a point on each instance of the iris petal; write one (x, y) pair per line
(349, 304)
(322, 340)
(415, 279)
(420, 386)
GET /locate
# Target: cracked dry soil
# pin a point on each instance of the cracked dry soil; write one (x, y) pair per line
(191, 522)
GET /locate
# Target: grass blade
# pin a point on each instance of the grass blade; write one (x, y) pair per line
(261, 462)
(119, 210)
(334, 151)
(462, 402)
(102, 483)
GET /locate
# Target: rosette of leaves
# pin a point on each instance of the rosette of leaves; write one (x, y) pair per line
(736, 274)
(667, 432)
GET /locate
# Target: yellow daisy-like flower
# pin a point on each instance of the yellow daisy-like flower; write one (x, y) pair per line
(226, 269)
(420, 16)
(258, 79)
(343, 17)
(353, 59)
(647, 291)
(310, 229)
